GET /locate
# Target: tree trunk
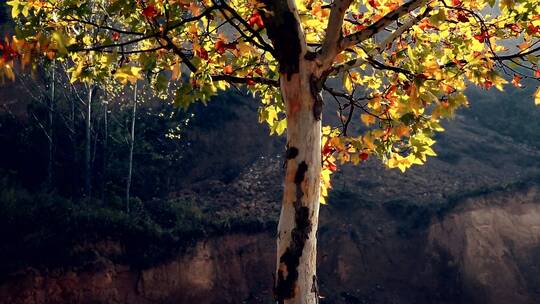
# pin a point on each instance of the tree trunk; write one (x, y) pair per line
(296, 281)
(131, 145)
(88, 144)
(74, 184)
(296, 276)
(105, 148)
(51, 108)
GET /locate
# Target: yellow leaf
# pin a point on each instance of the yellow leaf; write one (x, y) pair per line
(61, 41)
(347, 83)
(15, 11)
(127, 74)
(281, 126)
(537, 97)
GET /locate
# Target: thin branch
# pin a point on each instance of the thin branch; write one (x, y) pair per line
(376, 27)
(381, 66)
(259, 41)
(245, 80)
(383, 45)
(170, 45)
(516, 55)
(105, 27)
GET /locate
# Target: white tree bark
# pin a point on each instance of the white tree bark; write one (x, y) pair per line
(296, 281)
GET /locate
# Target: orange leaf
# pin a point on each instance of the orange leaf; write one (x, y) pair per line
(525, 45)
(228, 69)
(516, 80)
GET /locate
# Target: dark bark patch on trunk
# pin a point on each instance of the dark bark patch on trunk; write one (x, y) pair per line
(315, 86)
(315, 288)
(310, 55)
(291, 153)
(290, 260)
(283, 29)
(299, 177)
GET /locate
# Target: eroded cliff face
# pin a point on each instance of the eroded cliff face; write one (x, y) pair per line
(229, 269)
(487, 250)
(496, 243)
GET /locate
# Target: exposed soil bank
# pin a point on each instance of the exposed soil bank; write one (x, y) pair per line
(487, 250)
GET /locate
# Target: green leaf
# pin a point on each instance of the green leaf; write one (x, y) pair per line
(184, 97)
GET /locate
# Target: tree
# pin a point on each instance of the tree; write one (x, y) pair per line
(131, 145)
(46, 97)
(398, 67)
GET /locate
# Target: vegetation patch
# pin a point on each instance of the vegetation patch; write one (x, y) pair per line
(47, 231)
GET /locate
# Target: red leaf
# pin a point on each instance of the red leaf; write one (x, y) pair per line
(360, 27)
(426, 25)
(531, 29)
(220, 46)
(256, 19)
(115, 36)
(373, 3)
(331, 166)
(7, 52)
(482, 36)
(364, 156)
(462, 17)
(327, 149)
(150, 11)
(202, 53)
(537, 73)
(457, 3)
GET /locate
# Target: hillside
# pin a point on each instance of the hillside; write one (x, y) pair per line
(385, 237)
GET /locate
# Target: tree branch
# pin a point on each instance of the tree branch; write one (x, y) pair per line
(259, 42)
(383, 45)
(516, 55)
(245, 80)
(333, 32)
(105, 27)
(170, 45)
(380, 24)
